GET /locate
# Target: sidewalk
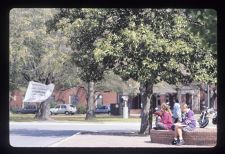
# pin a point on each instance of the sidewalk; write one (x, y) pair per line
(104, 140)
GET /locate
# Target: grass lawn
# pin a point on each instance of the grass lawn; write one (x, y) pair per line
(22, 117)
(80, 118)
(74, 118)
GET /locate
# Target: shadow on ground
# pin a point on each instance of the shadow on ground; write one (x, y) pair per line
(43, 133)
(114, 133)
(62, 133)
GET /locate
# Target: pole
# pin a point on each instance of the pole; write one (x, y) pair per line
(125, 108)
(125, 111)
(208, 95)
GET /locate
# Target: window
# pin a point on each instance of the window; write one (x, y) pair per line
(57, 106)
(63, 106)
(74, 100)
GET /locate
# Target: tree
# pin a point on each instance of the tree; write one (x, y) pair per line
(113, 82)
(147, 45)
(36, 55)
(203, 23)
(151, 45)
(83, 27)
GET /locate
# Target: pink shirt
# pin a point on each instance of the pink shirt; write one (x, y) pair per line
(166, 119)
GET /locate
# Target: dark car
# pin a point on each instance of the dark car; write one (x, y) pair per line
(103, 109)
(29, 109)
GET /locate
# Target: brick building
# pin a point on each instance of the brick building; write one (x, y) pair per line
(75, 95)
(192, 95)
(106, 97)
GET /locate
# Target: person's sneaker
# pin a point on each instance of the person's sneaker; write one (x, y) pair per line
(156, 128)
(174, 142)
(181, 142)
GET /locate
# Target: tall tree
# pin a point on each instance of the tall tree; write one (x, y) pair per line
(151, 45)
(36, 55)
(82, 28)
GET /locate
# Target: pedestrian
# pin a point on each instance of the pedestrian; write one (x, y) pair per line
(165, 121)
(188, 124)
(176, 111)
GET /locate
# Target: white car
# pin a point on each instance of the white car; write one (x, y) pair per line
(63, 109)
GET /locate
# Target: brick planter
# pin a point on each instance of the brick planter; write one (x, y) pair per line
(200, 136)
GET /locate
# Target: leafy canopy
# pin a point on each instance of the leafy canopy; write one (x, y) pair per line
(156, 45)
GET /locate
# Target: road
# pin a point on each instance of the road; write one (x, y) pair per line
(44, 134)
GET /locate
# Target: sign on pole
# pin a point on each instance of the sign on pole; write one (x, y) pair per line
(38, 92)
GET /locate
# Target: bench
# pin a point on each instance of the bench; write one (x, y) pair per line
(200, 136)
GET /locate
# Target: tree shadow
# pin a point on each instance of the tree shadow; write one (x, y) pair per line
(65, 133)
(128, 133)
(43, 133)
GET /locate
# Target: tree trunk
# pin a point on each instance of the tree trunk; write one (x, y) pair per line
(43, 111)
(212, 100)
(147, 110)
(90, 106)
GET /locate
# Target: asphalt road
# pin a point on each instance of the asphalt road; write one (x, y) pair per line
(44, 134)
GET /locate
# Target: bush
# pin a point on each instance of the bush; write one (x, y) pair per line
(52, 104)
(99, 105)
(81, 109)
(14, 110)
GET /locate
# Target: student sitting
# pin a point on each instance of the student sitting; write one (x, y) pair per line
(165, 121)
(188, 124)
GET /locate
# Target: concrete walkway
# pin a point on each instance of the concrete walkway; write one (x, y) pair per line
(104, 140)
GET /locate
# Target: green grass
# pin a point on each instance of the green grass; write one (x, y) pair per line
(78, 118)
(22, 117)
(74, 118)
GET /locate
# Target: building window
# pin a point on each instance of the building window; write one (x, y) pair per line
(74, 100)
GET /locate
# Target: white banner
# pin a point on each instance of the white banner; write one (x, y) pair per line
(38, 92)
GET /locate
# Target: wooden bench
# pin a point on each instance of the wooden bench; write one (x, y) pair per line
(200, 136)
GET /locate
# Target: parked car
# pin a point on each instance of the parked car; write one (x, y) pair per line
(63, 109)
(103, 109)
(29, 109)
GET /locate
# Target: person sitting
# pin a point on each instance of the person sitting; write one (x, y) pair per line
(188, 124)
(165, 121)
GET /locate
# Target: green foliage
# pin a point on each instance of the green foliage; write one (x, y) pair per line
(159, 49)
(113, 82)
(82, 28)
(14, 110)
(81, 109)
(53, 104)
(203, 23)
(36, 55)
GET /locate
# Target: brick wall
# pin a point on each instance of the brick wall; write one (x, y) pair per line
(109, 97)
(64, 95)
(200, 136)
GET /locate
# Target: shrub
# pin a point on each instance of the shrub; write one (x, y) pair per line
(14, 110)
(53, 104)
(81, 109)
